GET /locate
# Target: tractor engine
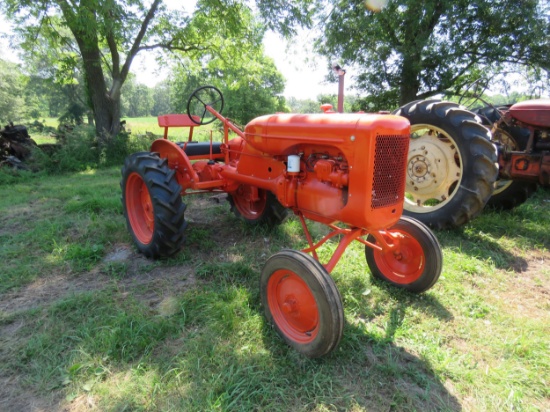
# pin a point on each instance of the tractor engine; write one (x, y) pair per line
(349, 168)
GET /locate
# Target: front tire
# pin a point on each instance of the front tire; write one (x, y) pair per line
(417, 262)
(452, 165)
(153, 208)
(302, 303)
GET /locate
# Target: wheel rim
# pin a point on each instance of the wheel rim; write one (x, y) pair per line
(139, 208)
(250, 201)
(434, 169)
(293, 306)
(510, 143)
(404, 265)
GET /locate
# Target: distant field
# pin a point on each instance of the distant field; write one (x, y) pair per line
(139, 126)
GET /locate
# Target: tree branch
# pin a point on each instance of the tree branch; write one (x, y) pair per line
(135, 47)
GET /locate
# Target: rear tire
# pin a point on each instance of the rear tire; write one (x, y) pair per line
(257, 206)
(301, 301)
(415, 265)
(153, 208)
(509, 194)
(452, 165)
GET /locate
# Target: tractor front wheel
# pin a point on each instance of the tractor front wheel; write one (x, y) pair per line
(302, 303)
(151, 199)
(415, 264)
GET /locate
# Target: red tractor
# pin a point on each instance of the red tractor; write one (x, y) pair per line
(346, 171)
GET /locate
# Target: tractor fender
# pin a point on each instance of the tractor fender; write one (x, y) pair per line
(177, 160)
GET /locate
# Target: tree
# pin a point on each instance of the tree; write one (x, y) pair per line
(414, 49)
(161, 99)
(250, 82)
(136, 99)
(110, 33)
(12, 86)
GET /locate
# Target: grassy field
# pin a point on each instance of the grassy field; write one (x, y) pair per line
(139, 126)
(86, 322)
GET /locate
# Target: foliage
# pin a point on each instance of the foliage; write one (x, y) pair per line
(102, 37)
(136, 99)
(12, 84)
(162, 101)
(414, 49)
(82, 150)
(249, 80)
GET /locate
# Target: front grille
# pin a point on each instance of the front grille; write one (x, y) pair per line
(390, 166)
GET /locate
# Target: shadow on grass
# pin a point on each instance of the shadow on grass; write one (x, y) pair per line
(502, 235)
(215, 352)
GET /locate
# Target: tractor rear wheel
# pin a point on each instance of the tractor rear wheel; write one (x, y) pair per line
(509, 194)
(452, 164)
(151, 199)
(257, 206)
(416, 263)
(301, 301)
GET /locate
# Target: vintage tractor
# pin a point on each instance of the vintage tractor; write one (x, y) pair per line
(346, 171)
(522, 135)
(459, 160)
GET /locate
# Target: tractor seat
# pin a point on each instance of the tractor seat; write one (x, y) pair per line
(200, 148)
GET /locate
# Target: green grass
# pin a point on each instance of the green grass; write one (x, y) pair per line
(141, 126)
(85, 320)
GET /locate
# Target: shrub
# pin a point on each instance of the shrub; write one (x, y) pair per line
(78, 152)
(79, 149)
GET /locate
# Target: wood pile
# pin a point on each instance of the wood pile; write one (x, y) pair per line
(15, 146)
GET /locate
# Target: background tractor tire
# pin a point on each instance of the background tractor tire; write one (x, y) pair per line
(451, 166)
(153, 208)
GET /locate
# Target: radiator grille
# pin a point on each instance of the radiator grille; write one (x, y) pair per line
(390, 166)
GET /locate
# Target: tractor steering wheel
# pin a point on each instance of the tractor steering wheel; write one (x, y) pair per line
(199, 100)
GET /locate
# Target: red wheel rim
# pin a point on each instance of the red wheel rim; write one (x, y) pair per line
(404, 265)
(250, 201)
(293, 306)
(139, 208)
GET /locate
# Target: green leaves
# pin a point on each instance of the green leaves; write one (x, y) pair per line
(414, 49)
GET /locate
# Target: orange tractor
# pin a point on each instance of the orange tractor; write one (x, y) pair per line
(346, 171)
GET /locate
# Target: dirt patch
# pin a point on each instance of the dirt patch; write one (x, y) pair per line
(14, 398)
(151, 283)
(154, 286)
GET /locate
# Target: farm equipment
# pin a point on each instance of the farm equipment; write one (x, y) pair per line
(522, 135)
(459, 160)
(346, 171)
(451, 166)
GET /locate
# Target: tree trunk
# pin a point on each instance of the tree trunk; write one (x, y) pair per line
(106, 108)
(410, 82)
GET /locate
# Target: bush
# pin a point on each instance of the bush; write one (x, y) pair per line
(117, 149)
(80, 150)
